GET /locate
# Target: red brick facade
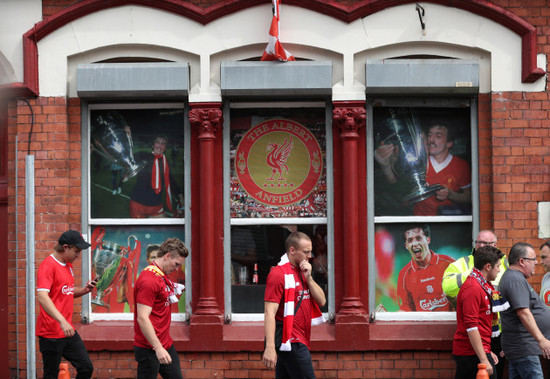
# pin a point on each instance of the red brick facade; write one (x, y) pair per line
(514, 176)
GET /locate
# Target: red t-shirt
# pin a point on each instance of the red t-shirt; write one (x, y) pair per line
(454, 175)
(274, 292)
(473, 311)
(58, 279)
(419, 288)
(152, 290)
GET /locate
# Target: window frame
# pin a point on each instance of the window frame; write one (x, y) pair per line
(88, 222)
(229, 222)
(429, 102)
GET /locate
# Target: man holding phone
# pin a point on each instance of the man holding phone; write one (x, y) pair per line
(55, 293)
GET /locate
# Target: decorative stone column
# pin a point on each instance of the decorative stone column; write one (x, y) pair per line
(349, 117)
(206, 118)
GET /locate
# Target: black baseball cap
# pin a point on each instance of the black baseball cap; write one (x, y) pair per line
(72, 237)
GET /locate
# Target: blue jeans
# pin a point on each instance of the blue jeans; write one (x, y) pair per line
(294, 364)
(72, 349)
(149, 366)
(527, 367)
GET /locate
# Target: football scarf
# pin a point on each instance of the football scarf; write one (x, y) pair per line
(498, 302)
(174, 289)
(289, 296)
(156, 177)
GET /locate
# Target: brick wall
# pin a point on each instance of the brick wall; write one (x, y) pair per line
(241, 365)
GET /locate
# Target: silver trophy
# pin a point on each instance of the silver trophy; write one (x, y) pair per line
(412, 157)
(105, 262)
(112, 139)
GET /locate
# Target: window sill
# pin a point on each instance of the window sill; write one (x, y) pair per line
(249, 336)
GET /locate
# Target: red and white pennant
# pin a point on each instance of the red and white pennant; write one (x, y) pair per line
(274, 49)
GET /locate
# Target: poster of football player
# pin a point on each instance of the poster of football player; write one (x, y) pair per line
(411, 260)
(118, 255)
(422, 161)
(136, 164)
(278, 163)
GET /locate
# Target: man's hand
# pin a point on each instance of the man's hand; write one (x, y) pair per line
(163, 356)
(386, 155)
(67, 328)
(442, 194)
(495, 358)
(270, 357)
(488, 365)
(90, 285)
(545, 348)
(305, 267)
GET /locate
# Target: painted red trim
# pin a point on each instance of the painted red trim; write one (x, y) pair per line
(527, 32)
(529, 71)
(380, 335)
(15, 90)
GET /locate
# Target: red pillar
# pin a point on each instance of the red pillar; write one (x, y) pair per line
(349, 117)
(206, 118)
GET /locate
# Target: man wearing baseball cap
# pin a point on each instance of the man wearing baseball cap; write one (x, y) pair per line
(55, 292)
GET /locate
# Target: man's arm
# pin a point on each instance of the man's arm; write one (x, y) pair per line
(477, 345)
(317, 293)
(455, 275)
(143, 313)
(43, 298)
(270, 355)
(527, 319)
(464, 196)
(385, 156)
(81, 291)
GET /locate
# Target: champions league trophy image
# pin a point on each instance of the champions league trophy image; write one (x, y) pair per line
(412, 158)
(105, 263)
(112, 139)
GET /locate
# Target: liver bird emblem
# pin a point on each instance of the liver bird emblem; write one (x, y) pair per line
(277, 155)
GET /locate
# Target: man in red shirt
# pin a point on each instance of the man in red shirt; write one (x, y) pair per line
(419, 282)
(292, 298)
(452, 172)
(154, 293)
(476, 311)
(55, 293)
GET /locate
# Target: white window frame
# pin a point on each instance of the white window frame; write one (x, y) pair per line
(229, 316)
(88, 223)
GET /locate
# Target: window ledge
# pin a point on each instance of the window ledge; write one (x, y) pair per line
(249, 336)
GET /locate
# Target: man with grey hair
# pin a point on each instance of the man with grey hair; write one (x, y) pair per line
(526, 324)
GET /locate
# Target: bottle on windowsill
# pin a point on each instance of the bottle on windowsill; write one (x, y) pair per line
(255, 275)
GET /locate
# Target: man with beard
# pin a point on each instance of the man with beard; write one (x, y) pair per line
(419, 282)
(478, 304)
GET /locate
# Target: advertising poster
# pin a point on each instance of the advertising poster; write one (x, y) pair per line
(410, 272)
(118, 255)
(136, 163)
(422, 161)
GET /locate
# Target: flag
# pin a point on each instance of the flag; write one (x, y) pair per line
(274, 50)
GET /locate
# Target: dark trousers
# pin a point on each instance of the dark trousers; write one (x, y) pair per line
(294, 364)
(70, 348)
(149, 366)
(502, 362)
(466, 366)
